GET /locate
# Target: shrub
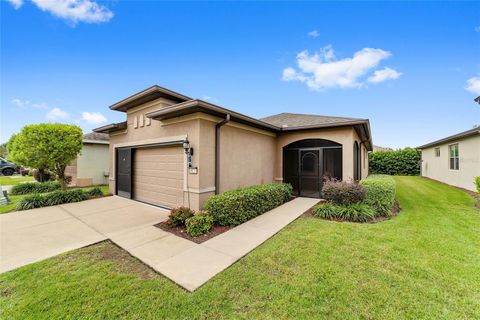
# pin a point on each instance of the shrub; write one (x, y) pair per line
(65, 196)
(200, 223)
(237, 206)
(355, 212)
(178, 216)
(34, 187)
(477, 183)
(56, 197)
(404, 162)
(342, 192)
(31, 202)
(380, 194)
(94, 192)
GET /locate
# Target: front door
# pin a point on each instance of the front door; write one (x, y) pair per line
(305, 168)
(124, 172)
(310, 178)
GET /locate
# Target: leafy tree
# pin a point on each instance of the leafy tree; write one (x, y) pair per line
(3, 151)
(47, 146)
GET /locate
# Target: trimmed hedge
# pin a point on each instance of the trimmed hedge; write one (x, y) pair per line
(35, 187)
(380, 194)
(38, 200)
(237, 206)
(403, 162)
(356, 212)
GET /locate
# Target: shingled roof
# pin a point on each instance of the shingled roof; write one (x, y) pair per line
(296, 120)
(98, 137)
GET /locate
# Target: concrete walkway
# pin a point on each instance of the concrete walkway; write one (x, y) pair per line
(34, 235)
(191, 265)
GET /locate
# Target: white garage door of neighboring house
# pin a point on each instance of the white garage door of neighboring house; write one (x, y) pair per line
(158, 176)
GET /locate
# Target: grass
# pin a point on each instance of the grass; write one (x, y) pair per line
(12, 181)
(422, 264)
(16, 198)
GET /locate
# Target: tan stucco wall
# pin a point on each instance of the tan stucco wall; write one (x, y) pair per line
(247, 158)
(92, 162)
(344, 136)
(438, 168)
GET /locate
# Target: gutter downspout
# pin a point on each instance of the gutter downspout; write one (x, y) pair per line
(217, 151)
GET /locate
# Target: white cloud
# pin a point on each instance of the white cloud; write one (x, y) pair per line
(57, 114)
(41, 105)
(16, 3)
(314, 33)
(93, 117)
(384, 75)
(20, 103)
(473, 85)
(74, 11)
(323, 70)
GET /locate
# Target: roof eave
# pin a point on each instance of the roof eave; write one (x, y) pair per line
(147, 95)
(453, 138)
(193, 106)
(109, 128)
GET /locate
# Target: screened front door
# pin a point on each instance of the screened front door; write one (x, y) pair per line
(310, 178)
(305, 165)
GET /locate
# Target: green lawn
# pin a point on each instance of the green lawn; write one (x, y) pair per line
(11, 206)
(423, 264)
(11, 181)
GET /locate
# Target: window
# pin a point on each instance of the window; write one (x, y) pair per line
(454, 160)
(437, 152)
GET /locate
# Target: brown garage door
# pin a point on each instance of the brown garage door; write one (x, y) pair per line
(158, 176)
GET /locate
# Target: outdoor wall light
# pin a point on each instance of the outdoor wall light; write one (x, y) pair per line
(188, 151)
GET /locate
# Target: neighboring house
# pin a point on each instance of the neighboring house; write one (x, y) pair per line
(92, 164)
(378, 148)
(454, 160)
(150, 151)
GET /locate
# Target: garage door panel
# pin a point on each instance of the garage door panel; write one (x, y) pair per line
(158, 176)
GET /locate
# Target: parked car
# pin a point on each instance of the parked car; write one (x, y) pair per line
(8, 168)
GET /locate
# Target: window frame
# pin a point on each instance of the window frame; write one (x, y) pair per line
(455, 157)
(437, 152)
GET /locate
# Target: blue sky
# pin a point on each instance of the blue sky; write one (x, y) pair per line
(405, 66)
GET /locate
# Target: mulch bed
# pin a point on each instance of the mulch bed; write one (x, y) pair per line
(182, 232)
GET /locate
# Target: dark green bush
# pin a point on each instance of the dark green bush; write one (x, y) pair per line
(200, 223)
(380, 194)
(355, 212)
(404, 162)
(237, 206)
(94, 192)
(342, 192)
(56, 197)
(67, 196)
(178, 216)
(477, 183)
(35, 187)
(31, 202)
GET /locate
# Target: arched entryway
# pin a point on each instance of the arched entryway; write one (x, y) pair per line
(357, 169)
(307, 162)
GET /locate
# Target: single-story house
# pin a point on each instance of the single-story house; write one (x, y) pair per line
(92, 164)
(173, 150)
(454, 160)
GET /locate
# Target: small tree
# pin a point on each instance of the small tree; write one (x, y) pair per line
(47, 146)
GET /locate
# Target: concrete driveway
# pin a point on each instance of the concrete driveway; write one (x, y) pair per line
(33, 235)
